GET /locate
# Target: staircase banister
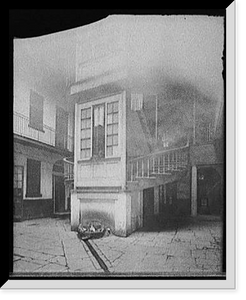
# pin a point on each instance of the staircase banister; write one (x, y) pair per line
(159, 152)
(67, 160)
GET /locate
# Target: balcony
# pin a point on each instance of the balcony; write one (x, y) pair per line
(46, 136)
(156, 164)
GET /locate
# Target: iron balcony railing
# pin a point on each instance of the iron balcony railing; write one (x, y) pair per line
(47, 135)
(161, 163)
(68, 168)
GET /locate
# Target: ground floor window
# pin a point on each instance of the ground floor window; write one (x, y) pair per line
(33, 178)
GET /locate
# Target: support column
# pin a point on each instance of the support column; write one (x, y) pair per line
(75, 211)
(123, 215)
(194, 191)
(141, 207)
(156, 200)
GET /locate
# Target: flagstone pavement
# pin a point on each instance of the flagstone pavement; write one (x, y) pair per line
(184, 248)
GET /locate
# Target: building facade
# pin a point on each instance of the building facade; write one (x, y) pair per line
(43, 137)
(121, 122)
(148, 146)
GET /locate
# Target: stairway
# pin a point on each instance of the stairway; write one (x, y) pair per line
(158, 164)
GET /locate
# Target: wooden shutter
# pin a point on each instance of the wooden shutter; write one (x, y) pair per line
(36, 111)
(33, 178)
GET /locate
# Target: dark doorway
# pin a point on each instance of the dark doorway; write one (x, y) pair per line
(18, 192)
(59, 194)
(171, 198)
(58, 187)
(148, 206)
(209, 192)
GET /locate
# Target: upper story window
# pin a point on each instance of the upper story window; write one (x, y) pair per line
(100, 130)
(85, 133)
(112, 128)
(36, 111)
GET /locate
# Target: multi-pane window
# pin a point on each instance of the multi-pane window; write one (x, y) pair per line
(18, 180)
(85, 145)
(99, 130)
(112, 128)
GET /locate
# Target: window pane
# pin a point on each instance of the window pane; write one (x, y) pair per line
(110, 129)
(110, 107)
(115, 128)
(83, 124)
(110, 118)
(109, 151)
(115, 107)
(88, 123)
(83, 134)
(83, 144)
(88, 133)
(88, 143)
(115, 150)
(109, 140)
(83, 153)
(83, 114)
(115, 118)
(115, 139)
(88, 153)
(88, 115)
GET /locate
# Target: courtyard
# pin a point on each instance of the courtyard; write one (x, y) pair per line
(184, 247)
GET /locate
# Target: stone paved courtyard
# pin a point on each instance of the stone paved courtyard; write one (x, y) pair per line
(177, 248)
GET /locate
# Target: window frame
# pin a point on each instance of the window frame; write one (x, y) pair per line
(106, 100)
(91, 132)
(112, 124)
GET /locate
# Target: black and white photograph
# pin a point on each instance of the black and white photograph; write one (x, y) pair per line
(119, 149)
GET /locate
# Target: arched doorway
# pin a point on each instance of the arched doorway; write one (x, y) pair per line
(58, 187)
(209, 188)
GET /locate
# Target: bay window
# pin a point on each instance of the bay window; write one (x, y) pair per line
(99, 130)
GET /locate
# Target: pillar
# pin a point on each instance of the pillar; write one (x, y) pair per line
(75, 211)
(123, 215)
(194, 191)
(156, 200)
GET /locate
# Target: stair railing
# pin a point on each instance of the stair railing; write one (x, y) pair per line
(160, 163)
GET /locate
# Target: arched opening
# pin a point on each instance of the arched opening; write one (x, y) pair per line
(210, 194)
